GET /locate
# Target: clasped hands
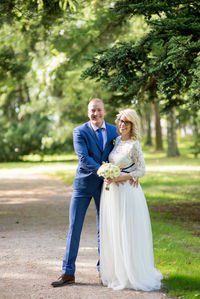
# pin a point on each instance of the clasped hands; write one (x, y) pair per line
(121, 179)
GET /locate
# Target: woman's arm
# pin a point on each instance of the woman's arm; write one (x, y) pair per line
(138, 159)
(139, 166)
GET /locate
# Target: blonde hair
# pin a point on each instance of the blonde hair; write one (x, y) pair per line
(131, 116)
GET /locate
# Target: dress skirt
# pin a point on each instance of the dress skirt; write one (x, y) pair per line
(126, 247)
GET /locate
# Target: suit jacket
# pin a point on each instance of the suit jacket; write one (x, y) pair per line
(88, 150)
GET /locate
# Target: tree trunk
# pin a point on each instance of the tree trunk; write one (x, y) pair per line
(159, 143)
(152, 88)
(172, 150)
(148, 122)
(196, 146)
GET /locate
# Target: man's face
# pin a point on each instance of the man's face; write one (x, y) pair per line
(96, 113)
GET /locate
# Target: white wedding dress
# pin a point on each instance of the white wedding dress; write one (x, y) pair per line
(126, 248)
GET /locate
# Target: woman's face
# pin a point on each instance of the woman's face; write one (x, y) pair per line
(125, 127)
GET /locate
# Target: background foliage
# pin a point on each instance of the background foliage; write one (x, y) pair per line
(147, 57)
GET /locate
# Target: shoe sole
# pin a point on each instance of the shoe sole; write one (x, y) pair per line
(63, 284)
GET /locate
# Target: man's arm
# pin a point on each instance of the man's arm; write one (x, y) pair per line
(81, 150)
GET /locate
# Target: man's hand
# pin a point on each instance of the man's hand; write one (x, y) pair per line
(134, 183)
(108, 181)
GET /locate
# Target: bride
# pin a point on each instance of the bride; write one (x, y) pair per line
(126, 248)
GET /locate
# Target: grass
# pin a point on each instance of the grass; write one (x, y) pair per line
(67, 177)
(174, 205)
(171, 187)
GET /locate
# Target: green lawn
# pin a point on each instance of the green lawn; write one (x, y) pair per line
(172, 189)
(171, 186)
(173, 200)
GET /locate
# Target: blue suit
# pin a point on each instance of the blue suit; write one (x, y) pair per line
(86, 185)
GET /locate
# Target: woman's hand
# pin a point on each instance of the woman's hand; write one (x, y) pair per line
(121, 179)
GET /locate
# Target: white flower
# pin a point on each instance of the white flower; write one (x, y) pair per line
(108, 170)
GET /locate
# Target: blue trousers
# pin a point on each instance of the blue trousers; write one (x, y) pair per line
(78, 207)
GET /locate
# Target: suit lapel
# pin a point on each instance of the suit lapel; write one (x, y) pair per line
(107, 147)
(92, 132)
(108, 136)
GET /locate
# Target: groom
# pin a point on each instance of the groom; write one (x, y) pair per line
(93, 141)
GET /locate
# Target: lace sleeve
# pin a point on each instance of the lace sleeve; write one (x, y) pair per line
(117, 140)
(138, 159)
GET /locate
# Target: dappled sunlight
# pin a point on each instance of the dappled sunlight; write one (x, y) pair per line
(46, 190)
(187, 281)
(26, 187)
(172, 168)
(55, 57)
(36, 169)
(161, 196)
(5, 212)
(18, 201)
(25, 275)
(59, 167)
(88, 263)
(87, 248)
(50, 158)
(181, 211)
(34, 218)
(40, 195)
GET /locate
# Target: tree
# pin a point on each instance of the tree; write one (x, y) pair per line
(169, 53)
(43, 48)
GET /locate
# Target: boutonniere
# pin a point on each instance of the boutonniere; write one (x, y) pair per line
(113, 142)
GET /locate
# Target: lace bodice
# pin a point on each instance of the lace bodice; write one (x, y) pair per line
(126, 153)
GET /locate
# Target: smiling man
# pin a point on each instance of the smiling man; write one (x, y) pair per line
(96, 112)
(93, 141)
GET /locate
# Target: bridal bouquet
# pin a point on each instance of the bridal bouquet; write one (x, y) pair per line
(108, 170)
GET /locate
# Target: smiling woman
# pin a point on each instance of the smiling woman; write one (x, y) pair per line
(126, 255)
(128, 124)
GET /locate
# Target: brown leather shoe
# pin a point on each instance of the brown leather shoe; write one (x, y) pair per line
(63, 280)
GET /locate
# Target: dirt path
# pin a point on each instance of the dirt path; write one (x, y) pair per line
(33, 227)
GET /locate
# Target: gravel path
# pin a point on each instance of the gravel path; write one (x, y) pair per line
(33, 228)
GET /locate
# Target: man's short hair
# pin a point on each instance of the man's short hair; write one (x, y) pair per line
(95, 100)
